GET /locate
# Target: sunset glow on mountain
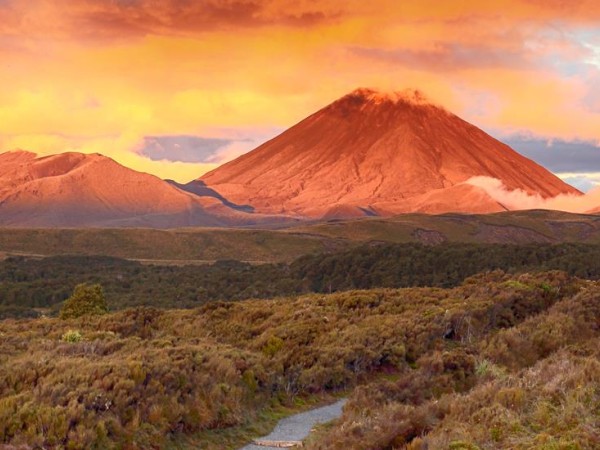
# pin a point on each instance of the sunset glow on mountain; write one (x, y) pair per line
(175, 88)
(317, 224)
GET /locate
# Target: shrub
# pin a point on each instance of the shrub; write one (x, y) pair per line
(273, 345)
(87, 299)
(71, 336)
(433, 367)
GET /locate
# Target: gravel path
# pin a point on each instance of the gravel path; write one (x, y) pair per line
(298, 426)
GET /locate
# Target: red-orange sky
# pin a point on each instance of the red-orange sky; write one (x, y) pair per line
(150, 82)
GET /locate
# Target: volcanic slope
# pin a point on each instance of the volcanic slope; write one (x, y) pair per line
(75, 189)
(370, 153)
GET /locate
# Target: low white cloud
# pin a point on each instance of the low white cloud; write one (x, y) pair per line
(519, 199)
(595, 58)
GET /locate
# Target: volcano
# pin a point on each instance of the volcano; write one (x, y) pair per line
(373, 153)
(75, 189)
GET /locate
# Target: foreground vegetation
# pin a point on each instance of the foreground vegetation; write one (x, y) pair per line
(501, 361)
(29, 287)
(528, 385)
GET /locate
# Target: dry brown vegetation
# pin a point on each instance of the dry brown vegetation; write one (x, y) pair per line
(435, 367)
(530, 385)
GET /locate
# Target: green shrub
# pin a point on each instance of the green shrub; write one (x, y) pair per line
(87, 299)
(273, 345)
(71, 336)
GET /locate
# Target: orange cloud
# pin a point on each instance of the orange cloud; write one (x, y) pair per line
(97, 76)
(98, 20)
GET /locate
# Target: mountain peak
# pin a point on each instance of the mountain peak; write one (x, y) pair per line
(382, 152)
(367, 101)
(410, 96)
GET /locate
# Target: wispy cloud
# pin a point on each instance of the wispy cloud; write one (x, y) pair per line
(118, 19)
(449, 56)
(199, 149)
(585, 182)
(182, 148)
(558, 155)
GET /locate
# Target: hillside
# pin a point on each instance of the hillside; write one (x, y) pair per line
(506, 362)
(370, 153)
(78, 190)
(194, 245)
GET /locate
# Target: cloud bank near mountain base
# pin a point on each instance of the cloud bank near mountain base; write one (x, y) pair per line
(519, 199)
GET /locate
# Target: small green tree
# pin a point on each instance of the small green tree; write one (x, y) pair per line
(86, 299)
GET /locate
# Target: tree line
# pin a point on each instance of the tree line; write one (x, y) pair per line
(29, 287)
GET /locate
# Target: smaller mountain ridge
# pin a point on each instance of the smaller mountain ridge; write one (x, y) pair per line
(75, 189)
(378, 153)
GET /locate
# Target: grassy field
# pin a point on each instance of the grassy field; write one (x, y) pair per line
(168, 246)
(507, 227)
(202, 245)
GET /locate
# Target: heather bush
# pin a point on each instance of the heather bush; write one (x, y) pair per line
(531, 382)
(419, 360)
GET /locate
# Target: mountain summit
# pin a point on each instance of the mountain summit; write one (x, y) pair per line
(374, 153)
